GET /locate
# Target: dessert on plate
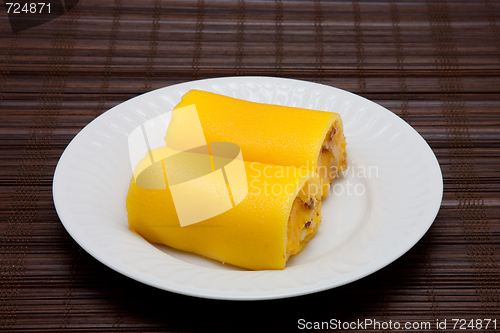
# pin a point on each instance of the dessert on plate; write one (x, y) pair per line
(247, 177)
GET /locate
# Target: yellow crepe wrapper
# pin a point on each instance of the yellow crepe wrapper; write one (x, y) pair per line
(279, 214)
(266, 133)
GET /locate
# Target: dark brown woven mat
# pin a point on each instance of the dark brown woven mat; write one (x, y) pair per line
(434, 63)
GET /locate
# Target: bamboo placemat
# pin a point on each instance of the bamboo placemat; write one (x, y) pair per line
(436, 64)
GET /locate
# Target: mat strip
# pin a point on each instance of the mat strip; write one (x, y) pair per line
(240, 37)
(153, 46)
(198, 38)
(403, 89)
(103, 90)
(471, 207)
(360, 49)
(32, 169)
(318, 39)
(279, 37)
(430, 282)
(382, 296)
(492, 18)
(70, 286)
(6, 64)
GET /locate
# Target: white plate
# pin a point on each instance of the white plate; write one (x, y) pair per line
(363, 230)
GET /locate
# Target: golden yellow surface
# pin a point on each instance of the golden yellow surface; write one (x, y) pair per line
(268, 133)
(291, 155)
(253, 235)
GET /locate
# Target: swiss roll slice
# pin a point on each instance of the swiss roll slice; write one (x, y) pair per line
(274, 219)
(270, 134)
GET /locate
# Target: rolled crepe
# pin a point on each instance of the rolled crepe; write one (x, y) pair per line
(266, 133)
(277, 217)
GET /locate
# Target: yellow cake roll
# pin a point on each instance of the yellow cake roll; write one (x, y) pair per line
(274, 220)
(271, 134)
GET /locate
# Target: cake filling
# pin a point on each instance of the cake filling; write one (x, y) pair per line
(332, 159)
(304, 219)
